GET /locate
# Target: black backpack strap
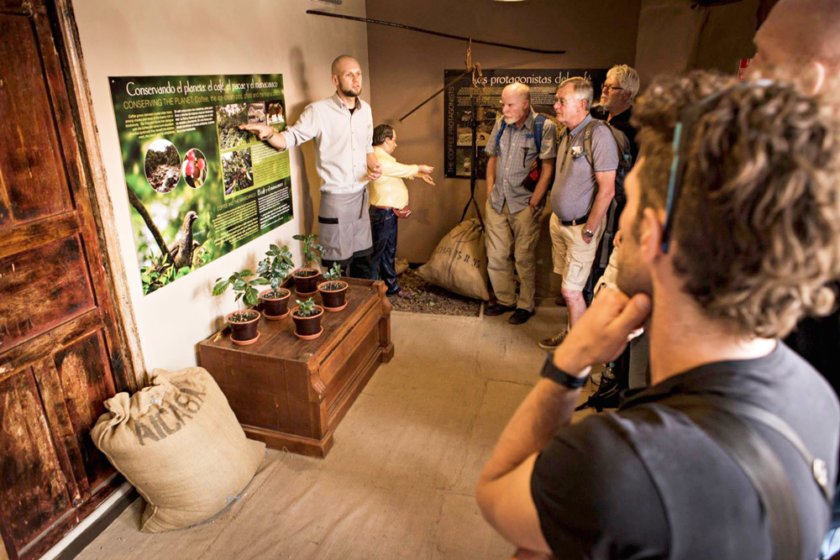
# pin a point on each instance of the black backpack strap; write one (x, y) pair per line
(722, 420)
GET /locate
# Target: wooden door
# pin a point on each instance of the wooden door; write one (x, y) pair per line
(60, 353)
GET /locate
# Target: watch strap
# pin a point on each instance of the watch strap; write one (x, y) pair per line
(550, 371)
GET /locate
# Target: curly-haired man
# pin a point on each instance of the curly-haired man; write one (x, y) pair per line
(725, 247)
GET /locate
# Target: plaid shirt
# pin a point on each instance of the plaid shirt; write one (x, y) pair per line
(516, 152)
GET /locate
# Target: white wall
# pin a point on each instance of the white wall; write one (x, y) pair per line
(191, 37)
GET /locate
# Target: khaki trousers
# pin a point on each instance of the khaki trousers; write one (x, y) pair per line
(519, 231)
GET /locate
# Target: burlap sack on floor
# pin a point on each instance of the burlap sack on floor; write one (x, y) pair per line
(459, 263)
(179, 443)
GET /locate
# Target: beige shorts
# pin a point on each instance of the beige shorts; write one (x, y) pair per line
(571, 255)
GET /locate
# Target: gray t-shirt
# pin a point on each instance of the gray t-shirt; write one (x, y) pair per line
(600, 485)
(517, 152)
(574, 179)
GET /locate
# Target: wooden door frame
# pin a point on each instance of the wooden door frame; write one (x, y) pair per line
(92, 177)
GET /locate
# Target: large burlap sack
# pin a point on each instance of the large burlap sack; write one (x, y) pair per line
(179, 443)
(459, 263)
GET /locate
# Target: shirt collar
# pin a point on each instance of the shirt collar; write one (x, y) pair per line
(715, 377)
(581, 126)
(341, 104)
(381, 153)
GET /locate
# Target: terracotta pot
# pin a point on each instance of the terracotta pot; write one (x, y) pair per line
(306, 285)
(310, 327)
(334, 299)
(275, 308)
(244, 332)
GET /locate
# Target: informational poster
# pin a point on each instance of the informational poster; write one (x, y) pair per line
(485, 96)
(199, 186)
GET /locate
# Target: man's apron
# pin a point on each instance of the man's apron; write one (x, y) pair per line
(344, 225)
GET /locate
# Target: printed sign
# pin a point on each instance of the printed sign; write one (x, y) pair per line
(485, 96)
(199, 186)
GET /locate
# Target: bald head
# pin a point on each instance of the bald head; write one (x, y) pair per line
(800, 41)
(516, 103)
(518, 89)
(341, 61)
(347, 78)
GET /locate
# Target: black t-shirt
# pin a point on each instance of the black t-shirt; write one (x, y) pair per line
(596, 497)
(621, 122)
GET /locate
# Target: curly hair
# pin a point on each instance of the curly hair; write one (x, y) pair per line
(757, 228)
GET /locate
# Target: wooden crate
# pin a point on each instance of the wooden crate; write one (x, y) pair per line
(292, 393)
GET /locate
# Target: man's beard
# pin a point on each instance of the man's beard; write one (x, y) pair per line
(351, 93)
(509, 120)
(631, 279)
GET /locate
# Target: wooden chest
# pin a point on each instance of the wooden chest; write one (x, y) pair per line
(292, 393)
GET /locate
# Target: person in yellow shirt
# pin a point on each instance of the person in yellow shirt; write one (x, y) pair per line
(389, 201)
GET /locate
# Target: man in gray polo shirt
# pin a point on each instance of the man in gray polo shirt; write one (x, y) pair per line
(513, 208)
(580, 197)
(342, 127)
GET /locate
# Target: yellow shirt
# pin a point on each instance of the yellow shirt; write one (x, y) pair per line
(389, 190)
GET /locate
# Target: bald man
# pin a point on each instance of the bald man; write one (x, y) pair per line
(800, 41)
(342, 127)
(521, 142)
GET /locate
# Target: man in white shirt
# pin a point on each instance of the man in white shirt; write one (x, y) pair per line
(342, 127)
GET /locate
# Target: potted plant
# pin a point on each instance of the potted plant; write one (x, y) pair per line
(333, 290)
(275, 268)
(307, 317)
(307, 278)
(243, 323)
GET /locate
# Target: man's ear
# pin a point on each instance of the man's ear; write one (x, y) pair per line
(813, 77)
(651, 237)
(335, 80)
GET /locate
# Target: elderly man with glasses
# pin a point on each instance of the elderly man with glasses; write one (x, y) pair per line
(584, 184)
(731, 231)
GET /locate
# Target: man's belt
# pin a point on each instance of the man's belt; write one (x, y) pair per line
(576, 221)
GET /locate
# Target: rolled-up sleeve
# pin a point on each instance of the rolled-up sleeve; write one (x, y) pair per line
(305, 129)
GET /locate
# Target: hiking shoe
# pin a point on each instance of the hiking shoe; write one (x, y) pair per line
(553, 342)
(520, 316)
(497, 309)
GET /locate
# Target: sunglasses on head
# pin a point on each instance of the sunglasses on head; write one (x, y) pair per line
(686, 123)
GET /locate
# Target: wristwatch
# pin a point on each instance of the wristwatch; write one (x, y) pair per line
(588, 233)
(550, 371)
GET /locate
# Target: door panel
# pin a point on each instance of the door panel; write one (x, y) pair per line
(34, 489)
(31, 166)
(42, 287)
(60, 354)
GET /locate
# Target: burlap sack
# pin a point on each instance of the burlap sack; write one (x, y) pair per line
(179, 443)
(459, 263)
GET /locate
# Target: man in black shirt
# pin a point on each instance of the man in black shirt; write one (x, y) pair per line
(720, 258)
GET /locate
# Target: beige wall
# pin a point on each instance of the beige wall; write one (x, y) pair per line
(161, 37)
(406, 67)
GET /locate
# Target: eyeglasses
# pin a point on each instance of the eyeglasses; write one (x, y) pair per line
(610, 88)
(688, 118)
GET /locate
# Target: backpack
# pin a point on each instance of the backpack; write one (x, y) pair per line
(530, 182)
(625, 158)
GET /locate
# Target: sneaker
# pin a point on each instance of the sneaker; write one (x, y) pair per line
(552, 342)
(520, 316)
(497, 309)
